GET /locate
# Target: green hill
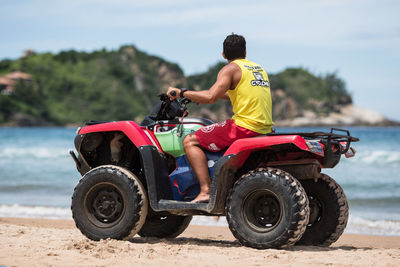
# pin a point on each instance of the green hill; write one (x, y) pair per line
(72, 87)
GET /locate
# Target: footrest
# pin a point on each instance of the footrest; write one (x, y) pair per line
(181, 205)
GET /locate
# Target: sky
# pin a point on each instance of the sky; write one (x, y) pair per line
(357, 39)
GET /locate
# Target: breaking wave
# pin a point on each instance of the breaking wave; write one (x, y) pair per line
(379, 157)
(20, 211)
(355, 225)
(358, 225)
(33, 152)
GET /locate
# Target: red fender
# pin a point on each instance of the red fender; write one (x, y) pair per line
(138, 135)
(247, 145)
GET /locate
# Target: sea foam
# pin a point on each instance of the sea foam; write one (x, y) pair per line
(20, 211)
(358, 225)
(379, 157)
(33, 152)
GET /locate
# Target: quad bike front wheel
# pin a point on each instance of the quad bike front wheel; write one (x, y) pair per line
(267, 208)
(329, 212)
(109, 202)
(164, 225)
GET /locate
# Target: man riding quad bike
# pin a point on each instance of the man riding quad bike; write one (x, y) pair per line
(137, 180)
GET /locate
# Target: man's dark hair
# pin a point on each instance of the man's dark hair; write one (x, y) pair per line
(234, 47)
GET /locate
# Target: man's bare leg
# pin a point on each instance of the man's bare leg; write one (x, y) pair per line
(198, 160)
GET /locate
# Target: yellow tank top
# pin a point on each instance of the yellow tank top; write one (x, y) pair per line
(251, 99)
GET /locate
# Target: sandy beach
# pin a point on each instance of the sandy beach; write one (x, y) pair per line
(40, 242)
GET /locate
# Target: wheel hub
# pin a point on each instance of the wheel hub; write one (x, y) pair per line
(262, 210)
(266, 210)
(106, 204)
(315, 210)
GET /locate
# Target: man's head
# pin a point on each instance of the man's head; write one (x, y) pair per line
(234, 47)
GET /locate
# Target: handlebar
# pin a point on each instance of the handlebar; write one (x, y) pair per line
(169, 109)
(165, 98)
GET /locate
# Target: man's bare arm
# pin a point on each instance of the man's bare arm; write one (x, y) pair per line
(217, 91)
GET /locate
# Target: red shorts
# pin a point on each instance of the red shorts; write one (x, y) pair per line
(218, 136)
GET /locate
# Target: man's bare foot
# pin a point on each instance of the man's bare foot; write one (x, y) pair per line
(201, 198)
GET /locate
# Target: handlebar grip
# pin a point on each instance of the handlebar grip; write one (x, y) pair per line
(173, 93)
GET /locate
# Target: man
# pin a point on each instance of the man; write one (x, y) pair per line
(246, 85)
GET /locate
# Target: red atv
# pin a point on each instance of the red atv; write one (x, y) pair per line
(137, 180)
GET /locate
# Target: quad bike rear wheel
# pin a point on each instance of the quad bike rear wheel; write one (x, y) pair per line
(267, 208)
(164, 225)
(329, 212)
(109, 202)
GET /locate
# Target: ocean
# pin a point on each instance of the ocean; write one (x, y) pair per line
(37, 177)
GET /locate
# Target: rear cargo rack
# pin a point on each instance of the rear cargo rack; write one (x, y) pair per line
(329, 137)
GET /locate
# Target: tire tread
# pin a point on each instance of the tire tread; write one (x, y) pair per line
(134, 185)
(300, 219)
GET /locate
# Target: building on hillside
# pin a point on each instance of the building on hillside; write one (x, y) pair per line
(28, 53)
(8, 81)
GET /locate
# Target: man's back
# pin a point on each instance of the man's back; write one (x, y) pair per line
(251, 97)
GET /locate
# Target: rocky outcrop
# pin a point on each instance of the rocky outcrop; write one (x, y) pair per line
(163, 74)
(26, 120)
(286, 112)
(347, 115)
(284, 107)
(169, 78)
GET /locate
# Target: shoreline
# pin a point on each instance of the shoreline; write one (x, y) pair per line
(357, 224)
(70, 224)
(45, 242)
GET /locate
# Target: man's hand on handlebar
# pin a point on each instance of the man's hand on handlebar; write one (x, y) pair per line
(173, 93)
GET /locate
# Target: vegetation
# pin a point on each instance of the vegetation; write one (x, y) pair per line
(74, 87)
(307, 89)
